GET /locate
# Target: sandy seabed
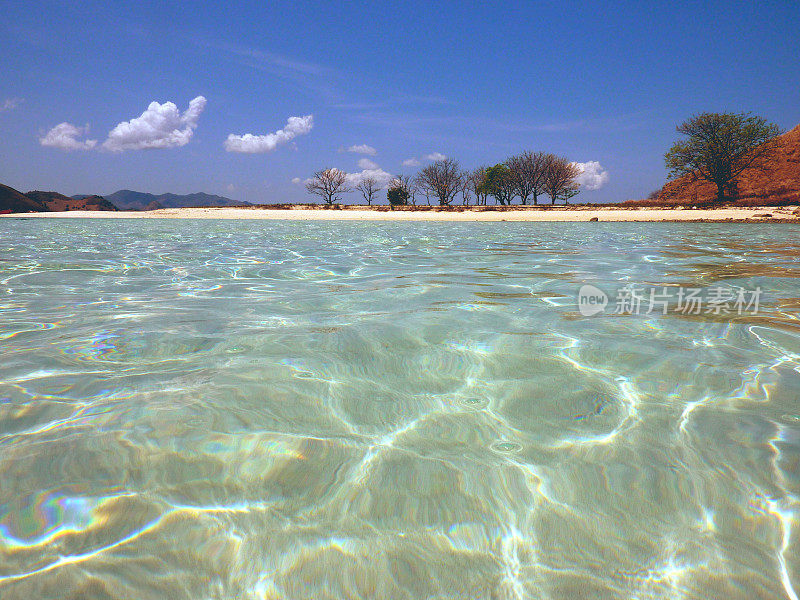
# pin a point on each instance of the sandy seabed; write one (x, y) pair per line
(305, 213)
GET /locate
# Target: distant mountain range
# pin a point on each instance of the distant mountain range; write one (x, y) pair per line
(130, 200)
(13, 201)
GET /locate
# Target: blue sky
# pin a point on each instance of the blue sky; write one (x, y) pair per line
(604, 82)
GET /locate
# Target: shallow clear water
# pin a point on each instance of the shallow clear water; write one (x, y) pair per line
(201, 409)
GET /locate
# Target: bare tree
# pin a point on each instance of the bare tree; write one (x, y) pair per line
(442, 179)
(477, 183)
(328, 184)
(569, 192)
(559, 178)
(368, 187)
(526, 172)
(466, 188)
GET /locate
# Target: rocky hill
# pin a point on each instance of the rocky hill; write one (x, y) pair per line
(12, 201)
(55, 202)
(777, 183)
(154, 205)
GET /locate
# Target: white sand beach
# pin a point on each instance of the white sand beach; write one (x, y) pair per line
(361, 213)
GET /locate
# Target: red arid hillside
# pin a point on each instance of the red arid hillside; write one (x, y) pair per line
(12, 201)
(55, 202)
(777, 183)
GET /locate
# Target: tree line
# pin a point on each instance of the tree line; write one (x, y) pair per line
(718, 148)
(524, 178)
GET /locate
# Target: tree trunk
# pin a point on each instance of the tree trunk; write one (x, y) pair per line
(720, 192)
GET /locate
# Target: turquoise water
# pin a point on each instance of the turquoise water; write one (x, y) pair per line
(233, 409)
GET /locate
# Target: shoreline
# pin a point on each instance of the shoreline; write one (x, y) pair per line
(783, 214)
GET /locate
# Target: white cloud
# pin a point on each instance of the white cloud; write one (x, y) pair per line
(366, 163)
(10, 104)
(593, 176)
(353, 179)
(250, 143)
(363, 149)
(435, 156)
(411, 162)
(160, 126)
(65, 137)
(382, 177)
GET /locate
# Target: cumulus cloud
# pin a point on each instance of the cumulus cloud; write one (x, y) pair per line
(592, 175)
(382, 177)
(10, 104)
(411, 162)
(249, 143)
(353, 179)
(64, 136)
(362, 149)
(160, 126)
(435, 156)
(366, 163)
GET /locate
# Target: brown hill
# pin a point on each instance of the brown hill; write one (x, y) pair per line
(55, 202)
(154, 205)
(12, 201)
(95, 203)
(778, 183)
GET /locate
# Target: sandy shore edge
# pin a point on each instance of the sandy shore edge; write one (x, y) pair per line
(756, 214)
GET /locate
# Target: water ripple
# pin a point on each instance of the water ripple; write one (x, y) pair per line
(345, 410)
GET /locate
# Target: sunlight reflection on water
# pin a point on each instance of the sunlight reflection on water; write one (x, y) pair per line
(194, 409)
